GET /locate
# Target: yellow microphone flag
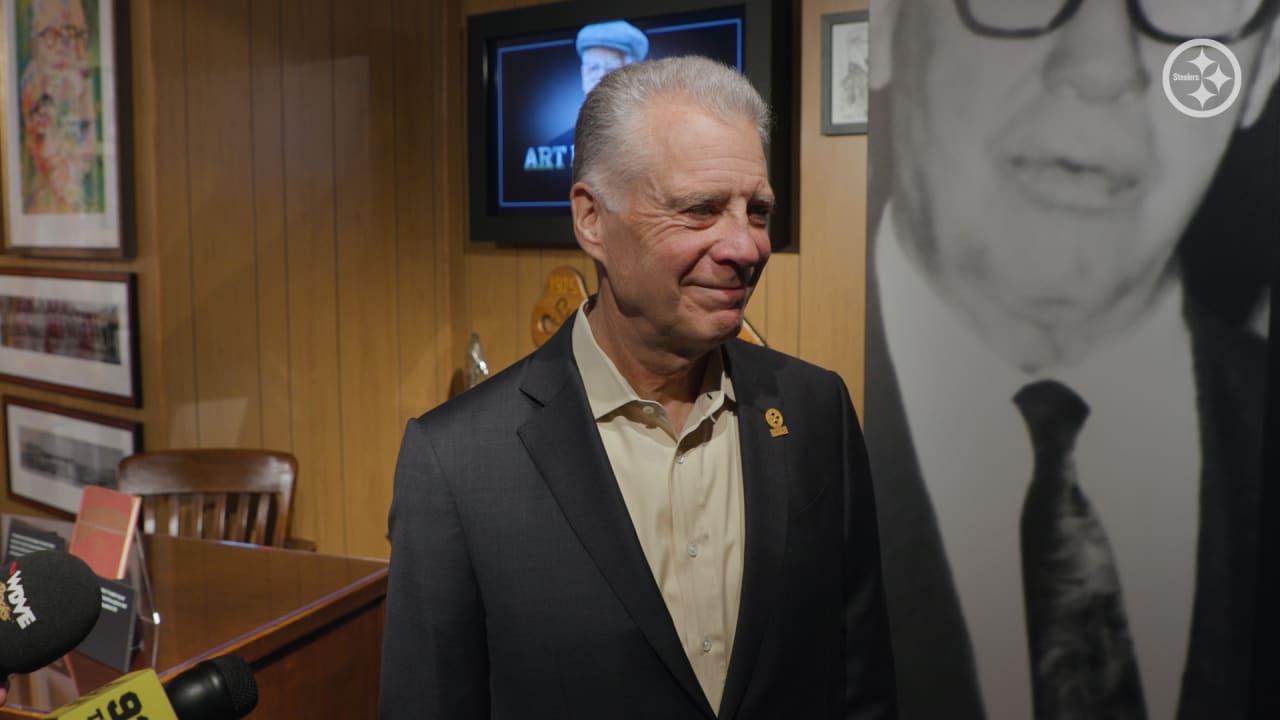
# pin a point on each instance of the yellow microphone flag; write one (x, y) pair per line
(136, 696)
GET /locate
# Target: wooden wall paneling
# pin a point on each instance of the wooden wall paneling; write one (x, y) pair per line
(142, 115)
(496, 279)
(449, 194)
(272, 276)
(587, 267)
(777, 317)
(161, 193)
(309, 234)
(419, 109)
(220, 164)
(832, 223)
(531, 278)
(755, 309)
(492, 302)
(365, 161)
(450, 187)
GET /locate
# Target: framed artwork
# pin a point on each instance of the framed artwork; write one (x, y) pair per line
(845, 79)
(54, 452)
(67, 169)
(70, 331)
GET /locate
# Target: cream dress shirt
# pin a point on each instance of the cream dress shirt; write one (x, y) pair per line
(683, 490)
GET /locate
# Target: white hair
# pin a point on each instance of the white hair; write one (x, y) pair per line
(609, 145)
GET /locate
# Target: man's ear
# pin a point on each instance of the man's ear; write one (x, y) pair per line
(1266, 72)
(586, 208)
(884, 19)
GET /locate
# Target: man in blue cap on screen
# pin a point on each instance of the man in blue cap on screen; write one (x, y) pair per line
(602, 48)
(607, 46)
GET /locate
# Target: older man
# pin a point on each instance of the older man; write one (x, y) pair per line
(645, 518)
(1066, 442)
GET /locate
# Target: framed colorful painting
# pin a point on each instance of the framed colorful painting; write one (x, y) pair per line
(66, 156)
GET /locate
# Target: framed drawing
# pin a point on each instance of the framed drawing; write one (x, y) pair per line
(67, 169)
(845, 89)
(54, 452)
(70, 331)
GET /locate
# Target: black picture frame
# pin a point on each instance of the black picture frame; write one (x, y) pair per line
(54, 451)
(844, 110)
(71, 331)
(95, 221)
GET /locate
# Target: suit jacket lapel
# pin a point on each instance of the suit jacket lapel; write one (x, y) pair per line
(936, 673)
(565, 446)
(933, 657)
(1230, 371)
(765, 474)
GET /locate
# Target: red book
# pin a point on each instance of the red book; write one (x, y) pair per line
(104, 530)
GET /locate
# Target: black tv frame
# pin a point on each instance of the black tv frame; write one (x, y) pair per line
(767, 62)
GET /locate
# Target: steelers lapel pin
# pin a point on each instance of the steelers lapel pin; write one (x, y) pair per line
(774, 418)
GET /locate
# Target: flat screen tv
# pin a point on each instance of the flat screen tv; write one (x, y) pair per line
(526, 82)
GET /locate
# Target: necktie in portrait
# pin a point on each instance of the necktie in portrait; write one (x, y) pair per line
(1083, 663)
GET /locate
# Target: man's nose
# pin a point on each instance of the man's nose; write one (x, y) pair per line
(741, 244)
(1095, 55)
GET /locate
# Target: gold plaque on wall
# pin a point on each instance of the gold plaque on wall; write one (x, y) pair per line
(564, 292)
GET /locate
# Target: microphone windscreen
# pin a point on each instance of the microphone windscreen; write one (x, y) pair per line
(219, 689)
(49, 602)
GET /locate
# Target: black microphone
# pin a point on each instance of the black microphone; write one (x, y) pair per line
(219, 689)
(49, 602)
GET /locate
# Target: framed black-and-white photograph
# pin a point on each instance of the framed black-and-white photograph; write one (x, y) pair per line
(845, 91)
(70, 331)
(55, 452)
(66, 140)
(1038, 286)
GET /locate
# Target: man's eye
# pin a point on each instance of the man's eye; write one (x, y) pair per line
(760, 212)
(700, 211)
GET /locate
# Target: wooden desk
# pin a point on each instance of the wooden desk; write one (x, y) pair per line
(310, 625)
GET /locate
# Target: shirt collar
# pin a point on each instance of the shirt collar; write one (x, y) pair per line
(607, 390)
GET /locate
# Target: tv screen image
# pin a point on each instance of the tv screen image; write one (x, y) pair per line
(539, 86)
(529, 69)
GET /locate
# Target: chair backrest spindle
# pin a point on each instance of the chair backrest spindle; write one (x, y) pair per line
(209, 493)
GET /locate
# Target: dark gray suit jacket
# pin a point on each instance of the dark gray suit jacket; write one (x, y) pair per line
(519, 589)
(935, 666)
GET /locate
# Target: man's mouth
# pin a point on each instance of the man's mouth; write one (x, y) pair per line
(1063, 183)
(728, 294)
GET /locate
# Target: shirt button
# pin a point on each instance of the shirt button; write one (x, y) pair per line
(679, 459)
(693, 549)
(706, 646)
(647, 409)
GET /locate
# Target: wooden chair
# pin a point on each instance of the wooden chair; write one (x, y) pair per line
(239, 495)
